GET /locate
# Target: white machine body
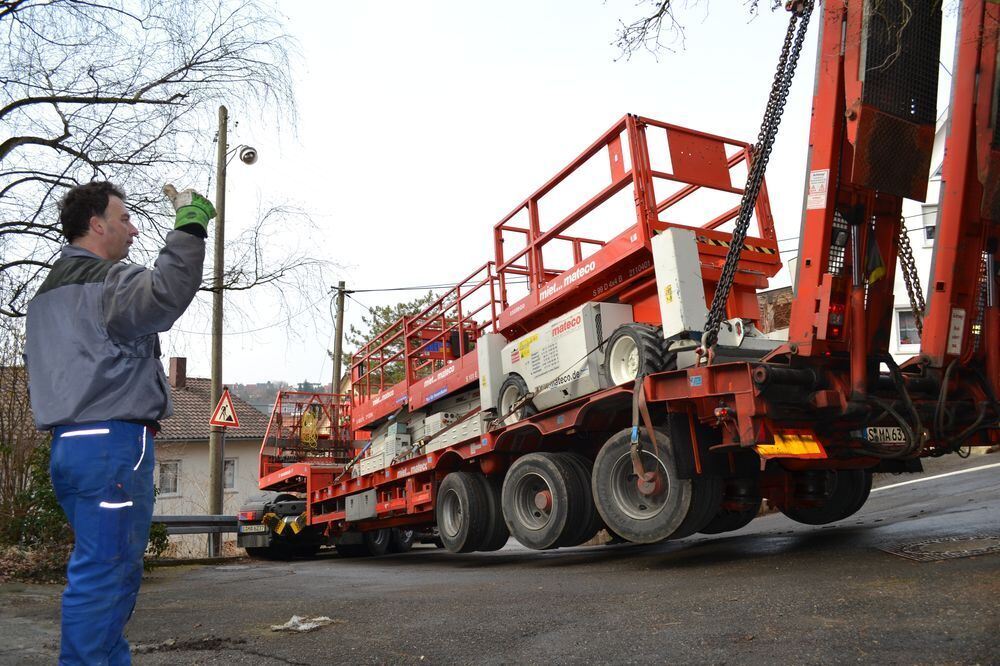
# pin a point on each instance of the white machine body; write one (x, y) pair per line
(558, 352)
(679, 286)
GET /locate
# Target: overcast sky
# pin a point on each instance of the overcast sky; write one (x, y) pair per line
(420, 124)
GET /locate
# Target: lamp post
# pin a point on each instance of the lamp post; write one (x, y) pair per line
(216, 452)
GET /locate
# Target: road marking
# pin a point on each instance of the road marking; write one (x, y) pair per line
(936, 476)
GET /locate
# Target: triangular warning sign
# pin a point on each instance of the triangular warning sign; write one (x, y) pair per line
(225, 414)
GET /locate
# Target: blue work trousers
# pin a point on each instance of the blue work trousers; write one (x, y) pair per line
(103, 477)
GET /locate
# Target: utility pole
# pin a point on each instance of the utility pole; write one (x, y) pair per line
(215, 441)
(338, 343)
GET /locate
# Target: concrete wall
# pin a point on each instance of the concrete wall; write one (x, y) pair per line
(192, 498)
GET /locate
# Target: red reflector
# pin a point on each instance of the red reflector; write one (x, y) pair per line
(248, 515)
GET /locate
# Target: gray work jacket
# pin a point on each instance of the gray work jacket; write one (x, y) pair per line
(92, 351)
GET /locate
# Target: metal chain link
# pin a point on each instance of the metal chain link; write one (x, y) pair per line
(911, 277)
(790, 51)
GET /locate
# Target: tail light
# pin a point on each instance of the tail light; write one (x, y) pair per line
(835, 321)
(246, 516)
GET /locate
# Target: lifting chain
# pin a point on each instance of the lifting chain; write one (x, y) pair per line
(790, 50)
(911, 278)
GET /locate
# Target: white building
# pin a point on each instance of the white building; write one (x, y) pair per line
(921, 222)
(182, 465)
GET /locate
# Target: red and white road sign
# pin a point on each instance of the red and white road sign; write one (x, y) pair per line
(224, 414)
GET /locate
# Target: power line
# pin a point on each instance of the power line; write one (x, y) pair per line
(349, 295)
(283, 322)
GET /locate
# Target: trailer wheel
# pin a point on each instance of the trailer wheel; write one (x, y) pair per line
(400, 540)
(626, 511)
(497, 534)
(541, 499)
(727, 520)
(587, 519)
(850, 492)
(377, 542)
(462, 512)
(634, 350)
(513, 389)
(706, 500)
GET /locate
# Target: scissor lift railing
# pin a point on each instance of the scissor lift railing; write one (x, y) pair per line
(405, 363)
(448, 328)
(695, 163)
(307, 427)
(415, 347)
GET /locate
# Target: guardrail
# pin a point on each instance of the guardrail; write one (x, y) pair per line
(197, 524)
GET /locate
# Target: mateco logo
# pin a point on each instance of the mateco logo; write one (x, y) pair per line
(579, 273)
(566, 325)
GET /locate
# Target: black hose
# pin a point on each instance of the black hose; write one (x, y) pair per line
(911, 438)
(942, 399)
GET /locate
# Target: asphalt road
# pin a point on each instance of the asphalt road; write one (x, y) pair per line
(773, 592)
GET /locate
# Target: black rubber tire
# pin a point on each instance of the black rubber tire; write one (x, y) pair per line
(624, 510)
(588, 520)
(377, 542)
(531, 526)
(401, 540)
(706, 500)
(514, 382)
(462, 512)
(651, 348)
(497, 534)
(849, 494)
(728, 521)
(862, 497)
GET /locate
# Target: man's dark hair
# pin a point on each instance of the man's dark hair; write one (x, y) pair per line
(83, 202)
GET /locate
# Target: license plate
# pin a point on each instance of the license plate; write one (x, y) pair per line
(245, 529)
(885, 435)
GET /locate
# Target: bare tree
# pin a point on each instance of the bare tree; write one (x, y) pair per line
(124, 90)
(658, 28)
(18, 437)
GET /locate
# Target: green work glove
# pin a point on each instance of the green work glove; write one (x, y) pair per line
(190, 207)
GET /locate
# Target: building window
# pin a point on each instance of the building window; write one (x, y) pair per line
(170, 471)
(229, 474)
(908, 334)
(929, 215)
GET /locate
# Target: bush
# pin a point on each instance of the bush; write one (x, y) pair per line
(34, 565)
(37, 520)
(158, 544)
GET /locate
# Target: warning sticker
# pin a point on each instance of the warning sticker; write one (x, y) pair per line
(524, 346)
(819, 184)
(956, 331)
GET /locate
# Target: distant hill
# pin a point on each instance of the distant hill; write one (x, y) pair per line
(261, 396)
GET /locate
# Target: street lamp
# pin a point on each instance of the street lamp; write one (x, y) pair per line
(216, 453)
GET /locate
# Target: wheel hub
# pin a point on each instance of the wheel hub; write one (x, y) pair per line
(543, 501)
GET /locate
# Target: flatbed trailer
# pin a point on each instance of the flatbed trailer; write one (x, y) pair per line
(671, 430)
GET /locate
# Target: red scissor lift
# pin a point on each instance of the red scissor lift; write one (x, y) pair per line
(308, 440)
(524, 287)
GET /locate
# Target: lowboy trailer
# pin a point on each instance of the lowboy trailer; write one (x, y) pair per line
(597, 374)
